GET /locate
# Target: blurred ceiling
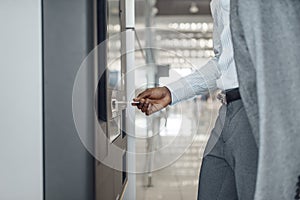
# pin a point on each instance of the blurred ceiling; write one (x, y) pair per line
(183, 7)
(176, 7)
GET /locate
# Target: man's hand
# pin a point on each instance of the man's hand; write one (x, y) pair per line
(153, 100)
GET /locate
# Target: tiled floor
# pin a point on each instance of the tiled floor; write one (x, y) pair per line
(179, 181)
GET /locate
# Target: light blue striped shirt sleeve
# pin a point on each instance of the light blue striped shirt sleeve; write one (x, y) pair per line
(201, 80)
(220, 71)
(197, 83)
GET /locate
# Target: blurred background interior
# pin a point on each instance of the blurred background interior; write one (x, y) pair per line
(181, 37)
(179, 180)
(53, 39)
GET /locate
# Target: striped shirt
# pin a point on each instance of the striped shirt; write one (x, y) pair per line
(218, 72)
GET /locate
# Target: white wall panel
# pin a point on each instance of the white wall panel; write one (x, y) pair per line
(21, 161)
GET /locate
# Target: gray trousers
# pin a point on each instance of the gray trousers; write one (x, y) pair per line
(229, 166)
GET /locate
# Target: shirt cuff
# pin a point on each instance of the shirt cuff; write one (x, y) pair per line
(180, 90)
(199, 82)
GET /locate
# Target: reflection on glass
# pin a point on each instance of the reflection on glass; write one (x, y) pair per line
(114, 45)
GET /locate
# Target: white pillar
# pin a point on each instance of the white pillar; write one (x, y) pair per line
(130, 193)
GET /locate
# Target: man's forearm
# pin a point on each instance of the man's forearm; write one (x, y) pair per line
(199, 82)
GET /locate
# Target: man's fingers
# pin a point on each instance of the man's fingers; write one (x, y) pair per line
(153, 107)
(141, 104)
(149, 106)
(146, 105)
(149, 101)
(143, 95)
(136, 103)
(148, 112)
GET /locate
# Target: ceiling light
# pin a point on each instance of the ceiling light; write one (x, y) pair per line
(194, 8)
